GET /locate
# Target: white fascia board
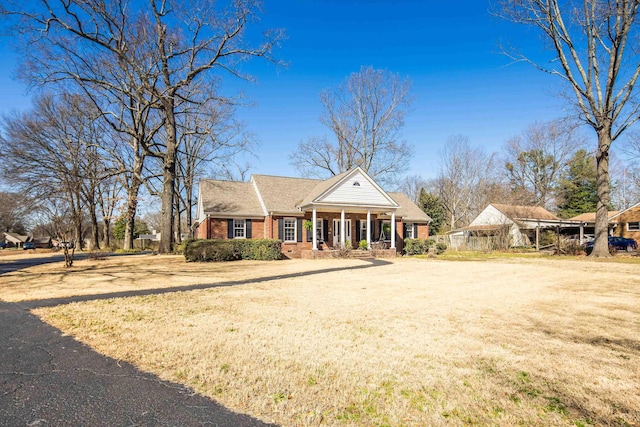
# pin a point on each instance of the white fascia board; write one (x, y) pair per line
(257, 190)
(624, 211)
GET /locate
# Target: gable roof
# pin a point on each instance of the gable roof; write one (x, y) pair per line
(15, 238)
(623, 211)
(525, 212)
(339, 190)
(283, 194)
(229, 198)
(321, 187)
(409, 211)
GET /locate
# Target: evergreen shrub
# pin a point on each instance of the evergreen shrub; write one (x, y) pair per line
(232, 250)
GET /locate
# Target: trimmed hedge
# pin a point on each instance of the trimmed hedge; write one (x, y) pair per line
(232, 250)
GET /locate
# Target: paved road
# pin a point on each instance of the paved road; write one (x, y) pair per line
(9, 265)
(48, 379)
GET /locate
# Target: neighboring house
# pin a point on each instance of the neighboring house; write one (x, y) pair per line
(340, 211)
(518, 225)
(625, 223)
(588, 221)
(15, 240)
(43, 242)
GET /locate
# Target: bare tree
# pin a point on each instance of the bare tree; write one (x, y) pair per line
(54, 149)
(14, 210)
(412, 186)
(465, 173)
(210, 39)
(365, 114)
(160, 50)
(535, 160)
(109, 198)
(594, 45)
(209, 140)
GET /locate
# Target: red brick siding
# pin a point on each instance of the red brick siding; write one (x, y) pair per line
(201, 230)
(216, 228)
(423, 231)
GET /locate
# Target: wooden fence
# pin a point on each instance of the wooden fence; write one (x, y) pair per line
(474, 243)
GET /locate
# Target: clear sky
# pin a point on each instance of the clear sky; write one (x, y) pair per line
(450, 50)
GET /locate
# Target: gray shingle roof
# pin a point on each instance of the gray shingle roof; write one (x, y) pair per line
(283, 194)
(408, 210)
(280, 195)
(233, 198)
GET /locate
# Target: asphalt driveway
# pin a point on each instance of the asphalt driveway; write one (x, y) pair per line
(49, 379)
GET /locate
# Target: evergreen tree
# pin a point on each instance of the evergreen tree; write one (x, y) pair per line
(432, 206)
(139, 228)
(577, 188)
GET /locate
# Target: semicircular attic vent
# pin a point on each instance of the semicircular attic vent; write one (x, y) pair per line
(356, 184)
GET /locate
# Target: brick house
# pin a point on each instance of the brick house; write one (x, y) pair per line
(309, 215)
(626, 223)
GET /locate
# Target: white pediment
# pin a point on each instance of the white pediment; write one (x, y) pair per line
(356, 189)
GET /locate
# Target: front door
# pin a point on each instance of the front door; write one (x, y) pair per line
(336, 231)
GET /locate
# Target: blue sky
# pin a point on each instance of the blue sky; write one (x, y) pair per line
(450, 50)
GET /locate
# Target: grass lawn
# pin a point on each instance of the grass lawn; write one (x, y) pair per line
(408, 342)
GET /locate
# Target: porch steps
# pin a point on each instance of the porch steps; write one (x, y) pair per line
(360, 255)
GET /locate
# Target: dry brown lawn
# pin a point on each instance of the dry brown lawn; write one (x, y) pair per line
(344, 342)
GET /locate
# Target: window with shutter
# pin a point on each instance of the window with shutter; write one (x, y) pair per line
(289, 230)
(239, 228)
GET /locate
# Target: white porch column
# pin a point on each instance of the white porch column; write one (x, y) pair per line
(315, 232)
(393, 229)
(582, 233)
(368, 229)
(342, 239)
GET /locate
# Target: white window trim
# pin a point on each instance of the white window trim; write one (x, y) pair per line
(409, 226)
(320, 229)
(295, 230)
(244, 228)
(633, 229)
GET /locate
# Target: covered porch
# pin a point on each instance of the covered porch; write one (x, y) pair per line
(338, 228)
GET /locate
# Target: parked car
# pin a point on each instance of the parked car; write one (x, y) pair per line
(615, 244)
(68, 245)
(28, 245)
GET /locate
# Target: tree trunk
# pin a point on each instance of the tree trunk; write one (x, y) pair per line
(169, 182)
(78, 232)
(132, 203)
(130, 220)
(76, 214)
(95, 232)
(178, 222)
(601, 243)
(107, 232)
(189, 192)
